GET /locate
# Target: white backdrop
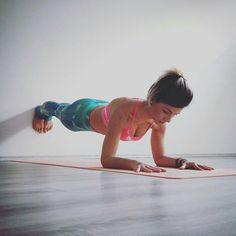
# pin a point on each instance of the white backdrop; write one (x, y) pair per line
(64, 50)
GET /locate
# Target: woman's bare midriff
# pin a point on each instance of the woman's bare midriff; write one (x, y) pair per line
(96, 121)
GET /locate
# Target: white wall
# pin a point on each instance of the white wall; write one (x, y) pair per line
(65, 50)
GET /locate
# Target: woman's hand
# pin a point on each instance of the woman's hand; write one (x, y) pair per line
(194, 166)
(138, 166)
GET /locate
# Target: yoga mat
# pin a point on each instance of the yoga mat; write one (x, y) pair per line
(171, 173)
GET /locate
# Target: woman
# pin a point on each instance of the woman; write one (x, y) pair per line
(128, 120)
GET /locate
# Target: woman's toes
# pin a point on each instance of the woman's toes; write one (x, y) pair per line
(38, 125)
(41, 130)
(48, 125)
(45, 130)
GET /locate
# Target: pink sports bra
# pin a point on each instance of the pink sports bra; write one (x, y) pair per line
(126, 132)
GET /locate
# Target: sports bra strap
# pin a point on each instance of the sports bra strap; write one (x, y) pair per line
(135, 111)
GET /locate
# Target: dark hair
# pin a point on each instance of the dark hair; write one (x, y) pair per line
(171, 88)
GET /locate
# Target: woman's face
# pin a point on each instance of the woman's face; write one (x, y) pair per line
(162, 113)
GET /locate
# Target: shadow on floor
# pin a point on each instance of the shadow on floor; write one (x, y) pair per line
(16, 124)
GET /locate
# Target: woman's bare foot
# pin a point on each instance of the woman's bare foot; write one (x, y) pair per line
(41, 125)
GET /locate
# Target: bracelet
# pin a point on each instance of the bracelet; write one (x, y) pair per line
(179, 162)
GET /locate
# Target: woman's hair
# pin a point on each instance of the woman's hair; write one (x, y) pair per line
(171, 88)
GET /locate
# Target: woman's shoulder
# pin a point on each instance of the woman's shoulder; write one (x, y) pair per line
(122, 106)
(124, 100)
(123, 103)
(121, 100)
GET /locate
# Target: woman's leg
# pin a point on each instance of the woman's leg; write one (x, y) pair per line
(75, 116)
(47, 110)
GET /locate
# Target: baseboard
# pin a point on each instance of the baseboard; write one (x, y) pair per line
(189, 155)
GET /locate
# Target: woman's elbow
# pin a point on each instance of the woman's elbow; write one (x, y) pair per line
(103, 161)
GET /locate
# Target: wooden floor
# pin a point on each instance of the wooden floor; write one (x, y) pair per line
(49, 200)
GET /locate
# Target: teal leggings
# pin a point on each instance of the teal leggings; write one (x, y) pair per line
(73, 116)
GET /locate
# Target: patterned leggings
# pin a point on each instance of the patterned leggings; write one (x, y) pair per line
(73, 116)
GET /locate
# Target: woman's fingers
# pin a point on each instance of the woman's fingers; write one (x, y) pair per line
(201, 167)
(195, 166)
(146, 169)
(149, 169)
(206, 167)
(157, 169)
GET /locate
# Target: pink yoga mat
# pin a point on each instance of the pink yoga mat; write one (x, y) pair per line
(171, 173)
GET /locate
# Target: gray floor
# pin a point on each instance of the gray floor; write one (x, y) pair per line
(50, 200)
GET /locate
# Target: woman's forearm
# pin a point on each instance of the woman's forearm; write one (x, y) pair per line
(119, 163)
(166, 161)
